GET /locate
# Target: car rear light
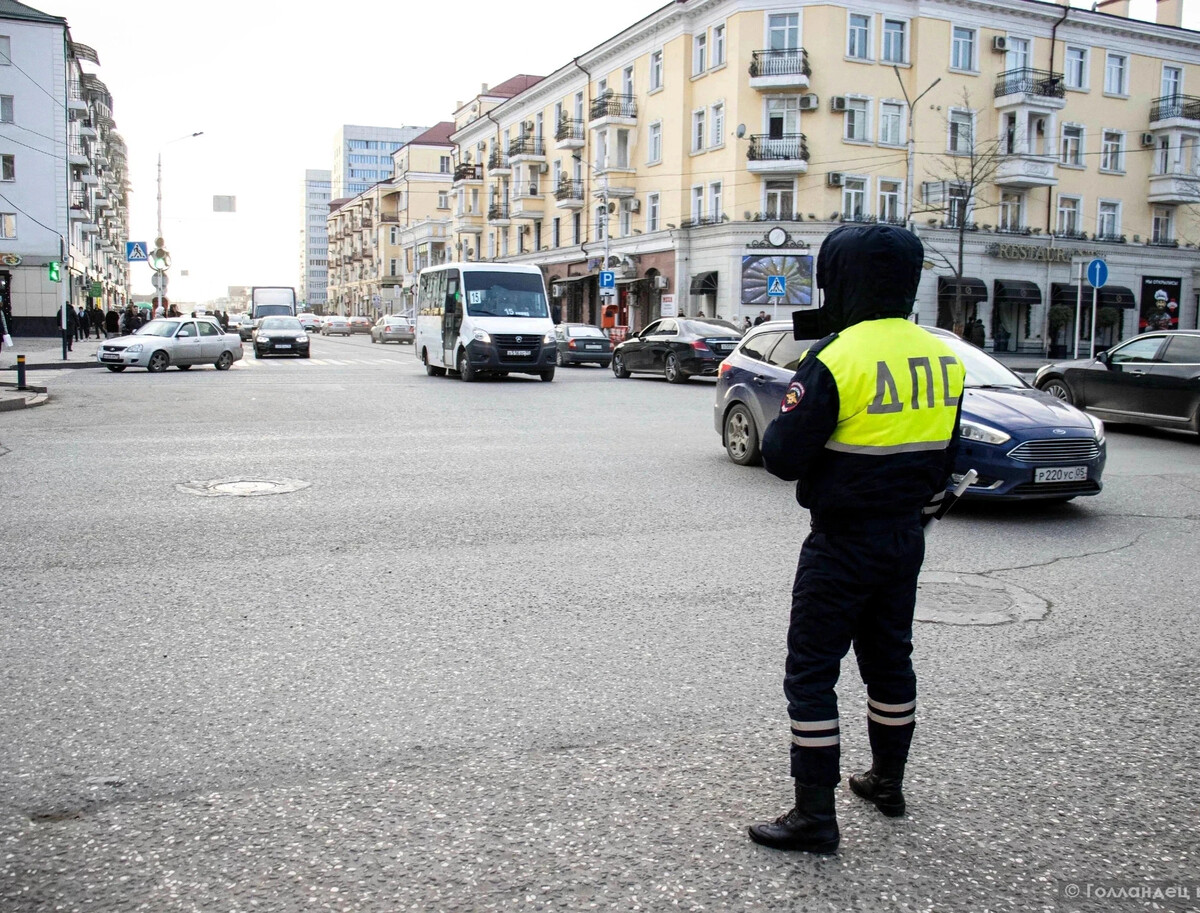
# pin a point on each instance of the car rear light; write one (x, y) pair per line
(722, 368)
(571, 344)
(699, 346)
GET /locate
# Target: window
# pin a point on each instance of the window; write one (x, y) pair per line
(1172, 81)
(556, 233)
(783, 31)
(623, 149)
(962, 49)
(854, 198)
(1068, 215)
(1116, 74)
(576, 228)
(393, 267)
(891, 114)
(780, 199)
(6, 109)
(1071, 150)
(961, 132)
(958, 205)
(783, 116)
(444, 164)
(655, 143)
(856, 119)
(5, 50)
(1160, 230)
(8, 224)
(889, 201)
(718, 124)
(1108, 221)
(714, 200)
(1162, 156)
(627, 82)
(718, 45)
(1010, 210)
(8, 167)
(1076, 68)
(858, 36)
(626, 221)
(697, 131)
(1183, 350)
(1017, 56)
(1112, 147)
(652, 212)
(443, 199)
(894, 34)
(697, 203)
(394, 235)
(656, 71)
(699, 53)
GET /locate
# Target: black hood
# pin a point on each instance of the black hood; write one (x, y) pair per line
(866, 272)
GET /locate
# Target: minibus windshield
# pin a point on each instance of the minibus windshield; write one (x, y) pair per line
(496, 293)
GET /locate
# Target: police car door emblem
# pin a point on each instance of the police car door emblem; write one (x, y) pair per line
(791, 399)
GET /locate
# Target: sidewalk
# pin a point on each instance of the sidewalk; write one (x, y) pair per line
(41, 353)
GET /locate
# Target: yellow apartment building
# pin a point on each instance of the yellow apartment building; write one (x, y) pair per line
(710, 147)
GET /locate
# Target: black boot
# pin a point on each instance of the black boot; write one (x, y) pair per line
(810, 827)
(882, 785)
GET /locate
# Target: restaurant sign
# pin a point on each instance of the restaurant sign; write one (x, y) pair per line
(1038, 254)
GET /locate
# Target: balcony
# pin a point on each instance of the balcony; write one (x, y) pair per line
(569, 195)
(569, 134)
(77, 153)
(499, 214)
(499, 164)
(392, 217)
(1174, 187)
(780, 68)
(528, 202)
(366, 222)
(1175, 111)
(783, 154)
(613, 110)
(87, 128)
(75, 100)
(1022, 169)
(1042, 89)
(527, 149)
(467, 174)
(391, 281)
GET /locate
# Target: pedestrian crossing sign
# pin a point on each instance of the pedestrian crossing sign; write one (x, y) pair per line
(777, 286)
(135, 252)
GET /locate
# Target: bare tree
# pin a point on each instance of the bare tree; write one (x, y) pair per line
(961, 186)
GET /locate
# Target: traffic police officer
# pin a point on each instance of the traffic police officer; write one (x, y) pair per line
(868, 427)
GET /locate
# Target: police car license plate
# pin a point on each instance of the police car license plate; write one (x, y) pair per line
(518, 353)
(1061, 474)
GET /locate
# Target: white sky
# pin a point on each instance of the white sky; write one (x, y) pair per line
(269, 91)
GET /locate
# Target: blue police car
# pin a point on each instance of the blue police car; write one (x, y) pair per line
(1023, 443)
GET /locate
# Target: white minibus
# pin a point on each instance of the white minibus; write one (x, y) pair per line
(484, 318)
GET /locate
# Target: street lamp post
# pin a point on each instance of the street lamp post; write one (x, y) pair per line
(910, 146)
(158, 292)
(607, 233)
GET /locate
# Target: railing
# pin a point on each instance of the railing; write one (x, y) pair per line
(614, 106)
(389, 217)
(527, 145)
(1106, 236)
(785, 147)
(1187, 106)
(569, 190)
(1028, 81)
(366, 222)
(1014, 229)
(780, 62)
(467, 172)
(497, 159)
(499, 211)
(569, 128)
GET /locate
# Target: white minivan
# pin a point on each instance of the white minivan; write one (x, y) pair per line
(484, 318)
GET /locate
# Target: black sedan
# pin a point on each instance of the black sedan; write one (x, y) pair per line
(1152, 379)
(676, 348)
(245, 327)
(280, 336)
(581, 343)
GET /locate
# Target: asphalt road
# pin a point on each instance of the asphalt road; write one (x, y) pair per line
(519, 645)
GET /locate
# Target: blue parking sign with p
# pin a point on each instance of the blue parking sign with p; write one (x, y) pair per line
(135, 251)
(777, 286)
(608, 278)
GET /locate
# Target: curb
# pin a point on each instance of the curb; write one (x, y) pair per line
(55, 366)
(26, 401)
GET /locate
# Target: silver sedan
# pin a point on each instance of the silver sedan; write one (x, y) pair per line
(181, 342)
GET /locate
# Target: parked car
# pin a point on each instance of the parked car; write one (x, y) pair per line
(676, 348)
(360, 324)
(181, 342)
(580, 343)
(245, 327)
(309, 321)
(280, 336)
(335, 326)
(1023, 443)
(1152, 379)
(392, 329)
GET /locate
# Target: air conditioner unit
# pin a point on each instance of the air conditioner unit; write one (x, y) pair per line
(557, 290)
(528, 125)
(1000, 44)
(835, 179)
(809, 103)
(1147, 139)
(543, 168)
(662, 282)
(635, 205)
(837, 103)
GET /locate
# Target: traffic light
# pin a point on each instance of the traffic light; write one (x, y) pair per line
(159, 258)
(53, 272)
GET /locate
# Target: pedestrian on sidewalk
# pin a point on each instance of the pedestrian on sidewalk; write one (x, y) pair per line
(97, 319)
(112, 322)
(69, 332)
(85, 323)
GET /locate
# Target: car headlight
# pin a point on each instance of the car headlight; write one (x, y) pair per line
(482, 336)
(301, 338)
(1097, 426)
(548, 339)
(134, 349)
(984, 434)
(263, 337)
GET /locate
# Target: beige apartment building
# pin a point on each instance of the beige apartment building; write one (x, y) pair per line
(710, 147)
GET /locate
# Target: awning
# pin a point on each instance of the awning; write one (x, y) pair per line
(973, 290)
(631, 279)
(1016, 291)
(1111, 296)
(705, 283)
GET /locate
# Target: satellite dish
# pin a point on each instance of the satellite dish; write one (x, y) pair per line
(741, 130)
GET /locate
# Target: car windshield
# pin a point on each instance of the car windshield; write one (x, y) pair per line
(337, 320)
(280, 323)
(585, 331)
(265, 309)
(496, 293)
(982, 369)
(712, 328)
(159, 328)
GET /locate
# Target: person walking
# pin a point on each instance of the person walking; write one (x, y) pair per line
(96, 318)
(112, 323)
(761, 318)
(868, 428)
(747, 324)
(85, 323)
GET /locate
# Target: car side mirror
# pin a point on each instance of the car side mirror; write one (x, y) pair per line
(1104, 358)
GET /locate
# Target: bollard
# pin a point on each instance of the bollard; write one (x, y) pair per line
(21, 372)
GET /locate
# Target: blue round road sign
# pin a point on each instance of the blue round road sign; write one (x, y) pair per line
(1097, 273)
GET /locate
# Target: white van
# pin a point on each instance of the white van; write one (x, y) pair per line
(484, 318)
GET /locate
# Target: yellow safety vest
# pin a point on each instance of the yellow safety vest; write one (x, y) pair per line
(898, 388)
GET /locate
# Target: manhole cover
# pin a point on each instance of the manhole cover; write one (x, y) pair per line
(242, 488)
(971, 599)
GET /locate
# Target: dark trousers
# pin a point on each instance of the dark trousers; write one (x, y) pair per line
(855, 588)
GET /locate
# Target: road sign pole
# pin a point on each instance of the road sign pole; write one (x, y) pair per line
(1078, 308)
(1092, 347)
